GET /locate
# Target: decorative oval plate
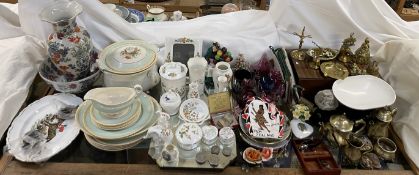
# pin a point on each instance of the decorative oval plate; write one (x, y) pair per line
(334, 70)
(364, 92)
(65, 133)
(263, 120)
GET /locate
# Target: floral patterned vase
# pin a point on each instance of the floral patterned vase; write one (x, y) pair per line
(69, 46)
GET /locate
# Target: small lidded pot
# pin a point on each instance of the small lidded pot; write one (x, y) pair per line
(385, 148)
(188, 136)
(170, 102)
(170, 153)
(227, 137)
(210, 135)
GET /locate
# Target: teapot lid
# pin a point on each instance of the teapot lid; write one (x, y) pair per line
(128, 57)
(341, 123)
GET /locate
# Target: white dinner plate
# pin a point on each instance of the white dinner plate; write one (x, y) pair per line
(364, 92)
(35, 112)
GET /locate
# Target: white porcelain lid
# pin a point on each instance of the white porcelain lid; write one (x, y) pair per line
(188, 133)
(173, 70)
(210, 132)
(364, 92)
(226, 133)
(170, 97)
(127, 57)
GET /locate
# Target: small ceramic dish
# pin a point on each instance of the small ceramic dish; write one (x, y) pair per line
(324, 54)
(125, 12)
(194, 110)
(334, 70)
(188, 135)
(137, 13)
(364, 92)
(252, 156)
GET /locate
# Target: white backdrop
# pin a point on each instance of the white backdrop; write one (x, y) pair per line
(248, 32)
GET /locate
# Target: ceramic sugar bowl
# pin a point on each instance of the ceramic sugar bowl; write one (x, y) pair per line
(170, 102)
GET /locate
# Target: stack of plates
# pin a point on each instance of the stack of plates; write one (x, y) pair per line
(119, 133)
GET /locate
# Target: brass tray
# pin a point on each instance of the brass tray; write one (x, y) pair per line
(334, 70)
(322, 56)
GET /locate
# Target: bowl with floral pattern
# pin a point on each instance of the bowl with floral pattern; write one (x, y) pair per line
(56, 79)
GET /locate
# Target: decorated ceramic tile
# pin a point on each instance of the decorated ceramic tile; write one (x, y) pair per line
(263, 120)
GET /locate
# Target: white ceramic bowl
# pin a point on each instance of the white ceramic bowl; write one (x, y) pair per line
(364, 92)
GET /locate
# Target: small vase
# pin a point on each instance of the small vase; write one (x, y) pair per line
(69, 46)
(222, 84)
(197, 68)
(221, 69)
(193, 90)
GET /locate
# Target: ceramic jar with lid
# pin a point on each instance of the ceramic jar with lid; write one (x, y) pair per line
(170, 102)
(227, 137)
(188, 136)
(210, 135)
(129, 62)
(221, 69)
(173, 76)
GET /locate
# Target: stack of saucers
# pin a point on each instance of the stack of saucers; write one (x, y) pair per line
(116, 118)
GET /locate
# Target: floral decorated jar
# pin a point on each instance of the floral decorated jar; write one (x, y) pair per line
(173, 76)
(188, 135)
(170, 102)
(69, 46)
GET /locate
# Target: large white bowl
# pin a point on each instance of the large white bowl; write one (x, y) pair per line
(364, 92)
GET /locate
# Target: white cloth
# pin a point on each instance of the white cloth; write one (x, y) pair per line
(399, 65)
(20, 58)
(251, 32)
(329, 22)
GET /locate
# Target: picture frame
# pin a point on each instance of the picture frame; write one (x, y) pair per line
(181, 49)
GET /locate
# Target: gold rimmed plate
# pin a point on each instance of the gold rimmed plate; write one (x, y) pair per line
(334, 70)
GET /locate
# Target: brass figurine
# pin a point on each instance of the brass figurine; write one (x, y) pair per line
(345, 52)
(299, 54)
(362, 54)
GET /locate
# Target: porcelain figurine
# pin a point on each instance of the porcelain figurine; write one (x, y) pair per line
(113, 101)
(69, 46)
(300, 54)
(170, 153)
(170, 102)
(345, 53)
(193, 90)
(173, 76)
(177, 16)
(197, 68)
(221, 69)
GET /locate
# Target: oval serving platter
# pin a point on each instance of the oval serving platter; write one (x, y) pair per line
(34, 113)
